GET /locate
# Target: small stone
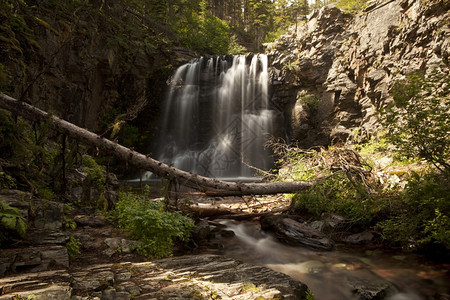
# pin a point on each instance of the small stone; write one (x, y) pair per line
(128, 245)
(122, 276)
(113, 243)
(369, 290)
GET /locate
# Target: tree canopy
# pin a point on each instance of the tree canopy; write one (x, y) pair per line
(208, 25)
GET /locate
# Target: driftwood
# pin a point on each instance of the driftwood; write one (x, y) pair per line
(201, 183)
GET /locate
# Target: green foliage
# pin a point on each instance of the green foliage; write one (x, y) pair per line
(11, 222)
(73, 246)
(235, 48)
(204, 33)
(155, 228)
(351, 6)
(7, 181)
(94, 170)
(423, 212)
(418, 121)
(308, 100)
(309, 295)
(338, 194)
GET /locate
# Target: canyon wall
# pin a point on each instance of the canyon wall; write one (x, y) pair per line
(332, 73)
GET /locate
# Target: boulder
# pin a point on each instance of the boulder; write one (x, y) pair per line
(295, 233)
(369, 289)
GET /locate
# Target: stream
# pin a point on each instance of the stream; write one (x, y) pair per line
(342, 273)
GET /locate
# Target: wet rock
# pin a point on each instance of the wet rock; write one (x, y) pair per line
(293, 232)
(369, 289)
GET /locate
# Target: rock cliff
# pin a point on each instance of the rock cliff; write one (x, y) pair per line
(87, 62)
(332, 73)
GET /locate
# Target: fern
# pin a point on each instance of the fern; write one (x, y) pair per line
(11, 219)
(155, 228)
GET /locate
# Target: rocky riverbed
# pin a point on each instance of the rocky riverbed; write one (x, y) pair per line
(40, 268)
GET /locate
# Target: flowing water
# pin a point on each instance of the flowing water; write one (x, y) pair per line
(334, 275)
(217, 117)
(215, 121)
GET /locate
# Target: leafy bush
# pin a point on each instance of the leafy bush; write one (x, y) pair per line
(11, 222)
(155, 228)
(338, 194)
(418, 121)
(423, 213)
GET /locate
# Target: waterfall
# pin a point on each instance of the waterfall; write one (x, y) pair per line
(217, 117)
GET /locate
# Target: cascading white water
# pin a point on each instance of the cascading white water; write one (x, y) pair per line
(217, 117)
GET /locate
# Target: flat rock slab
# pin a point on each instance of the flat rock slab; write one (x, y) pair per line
(184, 277)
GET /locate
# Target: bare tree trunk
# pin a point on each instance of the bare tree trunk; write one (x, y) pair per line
(201, 183)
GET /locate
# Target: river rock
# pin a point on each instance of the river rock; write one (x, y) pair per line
(295, 233)
(369, 289)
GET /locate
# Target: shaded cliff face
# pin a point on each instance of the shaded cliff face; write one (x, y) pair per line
(86, 61)
(334, 71)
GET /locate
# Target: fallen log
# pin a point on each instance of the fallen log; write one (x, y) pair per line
(200, 183)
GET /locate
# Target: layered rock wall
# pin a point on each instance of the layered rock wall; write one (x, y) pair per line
(88, 63)
(333, 72)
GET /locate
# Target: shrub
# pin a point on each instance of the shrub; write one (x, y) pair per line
(418, 120)
(338, 194)
(155, 228)
(422, 218)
